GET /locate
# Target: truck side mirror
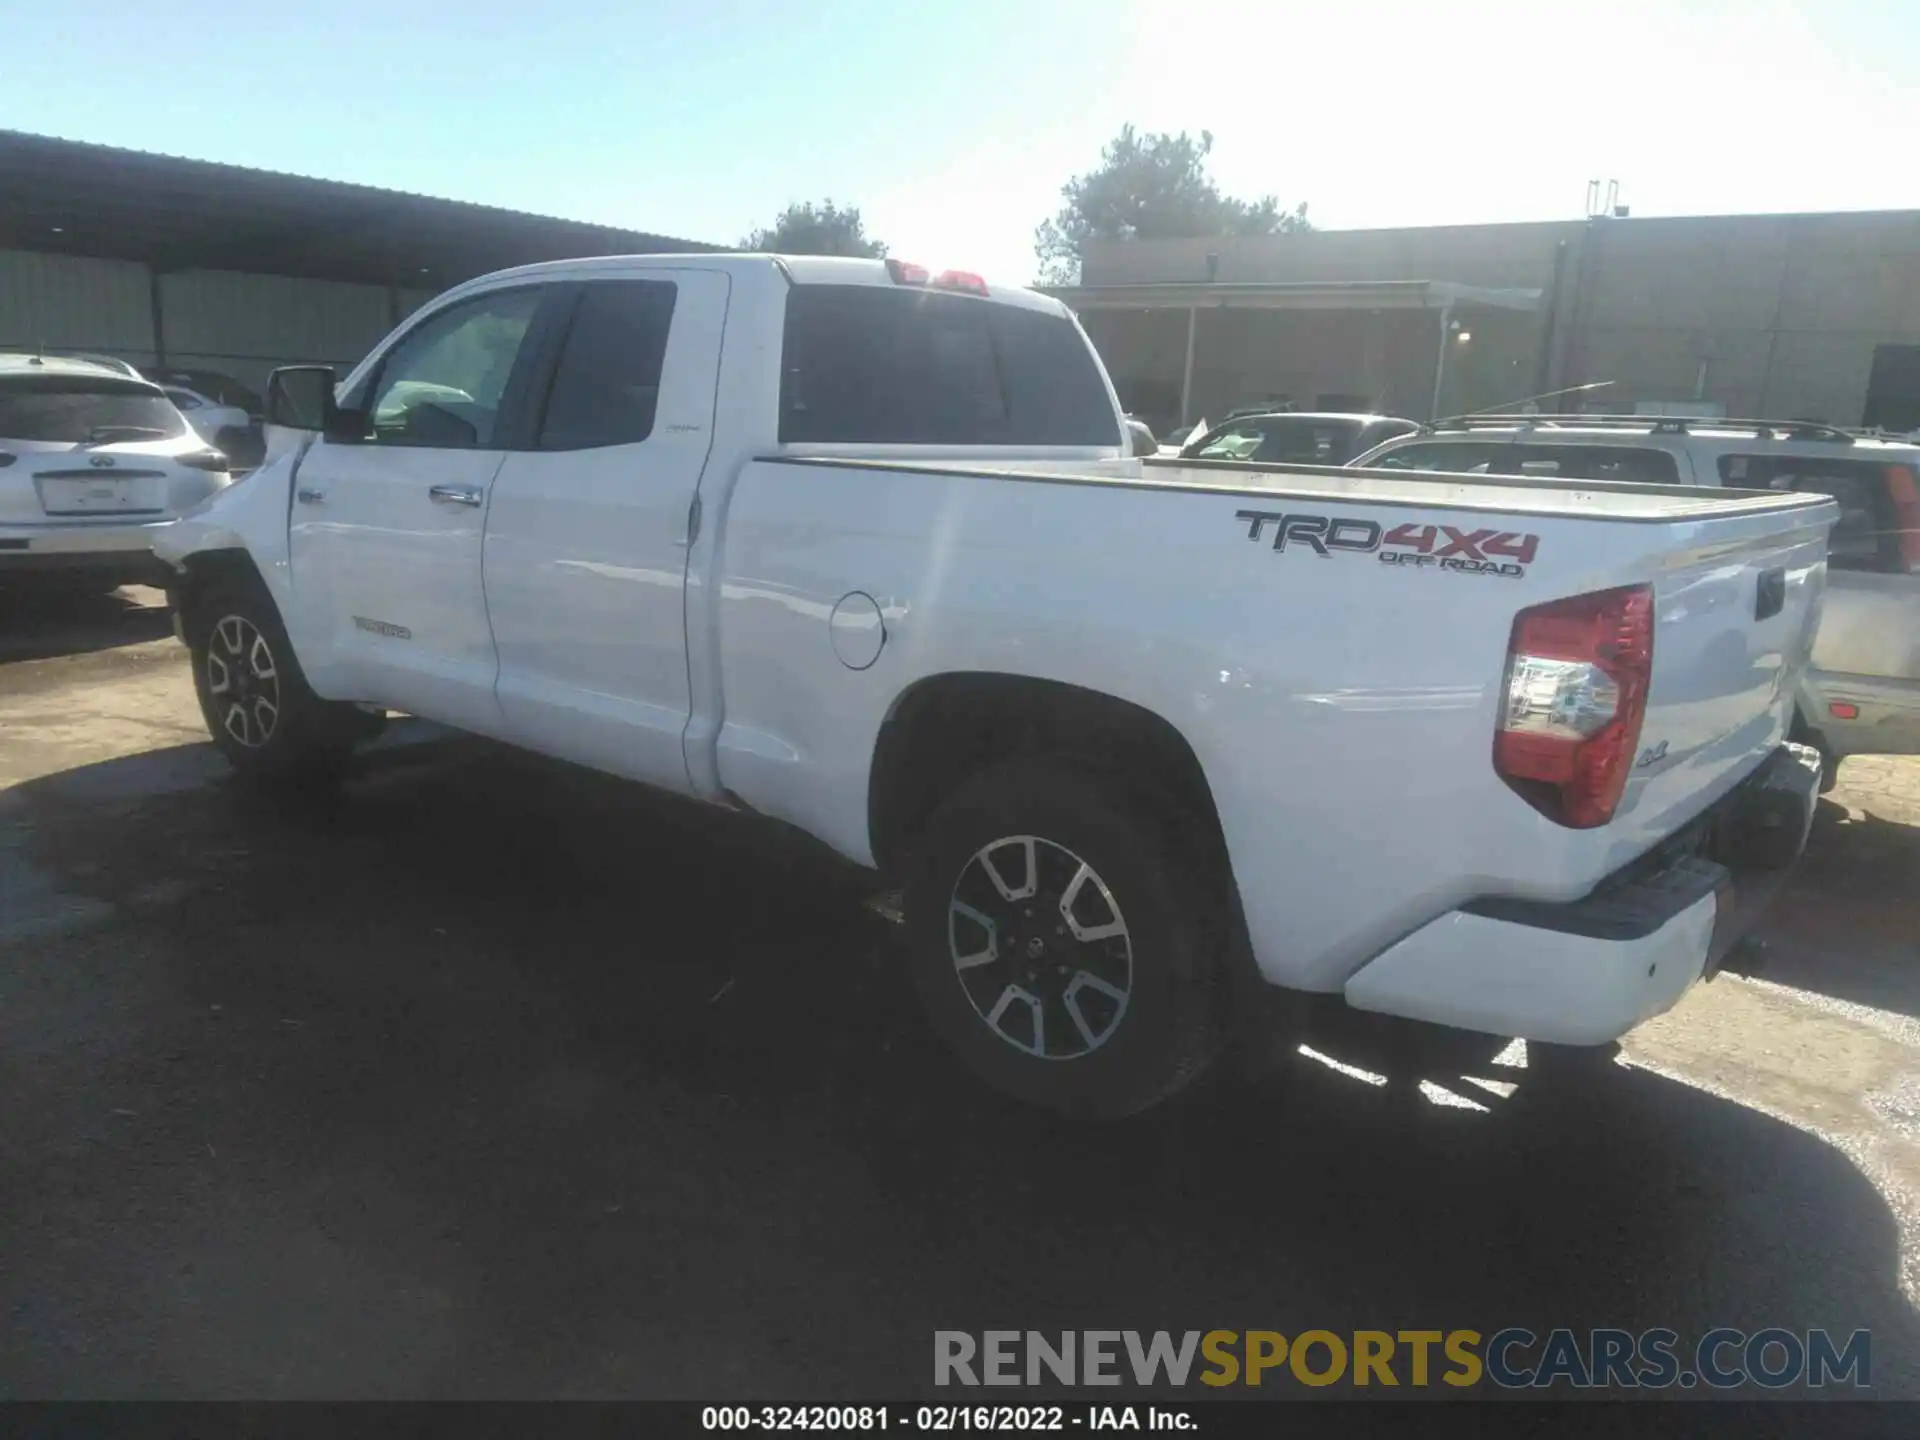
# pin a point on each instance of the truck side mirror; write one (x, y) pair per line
(300, 397)
(1140, 438)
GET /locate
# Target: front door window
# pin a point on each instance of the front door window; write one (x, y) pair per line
(443, 385)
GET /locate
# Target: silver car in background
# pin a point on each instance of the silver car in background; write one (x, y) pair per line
(92, 462)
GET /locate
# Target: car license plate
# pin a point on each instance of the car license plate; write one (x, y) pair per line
(92, 497)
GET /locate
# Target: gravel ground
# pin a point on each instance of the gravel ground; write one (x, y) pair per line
(494, 1078)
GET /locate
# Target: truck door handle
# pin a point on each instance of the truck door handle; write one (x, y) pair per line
(454, 495)
(311, 497)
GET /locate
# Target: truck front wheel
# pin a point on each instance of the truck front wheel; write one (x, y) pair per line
(1063, 947)
(258, 707)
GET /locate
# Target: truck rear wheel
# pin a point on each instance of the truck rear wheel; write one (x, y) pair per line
(1061, 944)
(256, 702)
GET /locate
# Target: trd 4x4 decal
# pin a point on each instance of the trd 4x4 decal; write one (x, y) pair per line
(1442, 547)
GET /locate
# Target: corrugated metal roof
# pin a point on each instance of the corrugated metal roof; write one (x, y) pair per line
(74, 197)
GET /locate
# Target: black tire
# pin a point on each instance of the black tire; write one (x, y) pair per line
(1805, 734)
(261, 714)
(1829, 770)
(1106, 1058)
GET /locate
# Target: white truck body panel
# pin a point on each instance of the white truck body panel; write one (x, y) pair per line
(1378, 699)
(1866, 655)
(697, 611)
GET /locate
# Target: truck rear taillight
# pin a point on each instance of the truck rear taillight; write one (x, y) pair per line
(1576, 692)
(1904, 492)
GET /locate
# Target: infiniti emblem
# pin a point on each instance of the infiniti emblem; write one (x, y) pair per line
(101, 462)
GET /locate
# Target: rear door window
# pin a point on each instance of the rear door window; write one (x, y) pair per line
(606, 385)
(78, 408)
(1867, 536)
(869, 364)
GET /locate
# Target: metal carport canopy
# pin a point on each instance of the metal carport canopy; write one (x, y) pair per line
(72, 198)
(1193, 296)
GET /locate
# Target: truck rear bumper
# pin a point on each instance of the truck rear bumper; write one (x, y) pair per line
(1586, 972)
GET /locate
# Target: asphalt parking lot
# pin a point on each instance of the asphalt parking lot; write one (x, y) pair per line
(493, 1078)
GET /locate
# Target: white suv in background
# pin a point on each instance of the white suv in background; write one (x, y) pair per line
(92, 463)
(222, 411)
(1861, 696)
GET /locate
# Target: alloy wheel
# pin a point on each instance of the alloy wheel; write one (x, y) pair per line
(243, 681)
(1040, 947)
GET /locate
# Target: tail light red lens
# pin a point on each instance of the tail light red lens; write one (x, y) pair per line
(905, 272)
(961, 280)
(1578, 671)
(1904, 492)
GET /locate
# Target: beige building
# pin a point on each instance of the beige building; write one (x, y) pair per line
(1777, 316)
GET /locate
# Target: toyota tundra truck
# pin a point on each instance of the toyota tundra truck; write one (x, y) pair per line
(1143, 744)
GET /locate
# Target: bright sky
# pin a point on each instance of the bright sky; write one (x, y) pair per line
(954, 126)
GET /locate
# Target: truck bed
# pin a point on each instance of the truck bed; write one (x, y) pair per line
(1340, 691)
(1602, 500)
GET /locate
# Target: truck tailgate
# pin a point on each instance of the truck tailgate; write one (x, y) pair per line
(1737, 576)
(1736, 605)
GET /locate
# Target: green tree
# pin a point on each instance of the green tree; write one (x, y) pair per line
(1150, 187)
(823, 229)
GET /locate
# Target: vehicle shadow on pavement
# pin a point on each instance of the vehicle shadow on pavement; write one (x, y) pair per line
(37, 624)
(489, 1077)
(1848, 924)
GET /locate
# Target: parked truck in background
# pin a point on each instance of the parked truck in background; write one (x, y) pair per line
(1145, 744)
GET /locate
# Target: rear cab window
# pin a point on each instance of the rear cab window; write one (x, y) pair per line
(872, 364)
(75, 409)
(1872, 533)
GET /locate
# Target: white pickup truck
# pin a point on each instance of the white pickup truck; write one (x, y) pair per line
(1144, 743)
